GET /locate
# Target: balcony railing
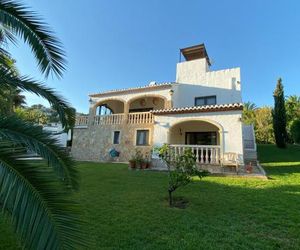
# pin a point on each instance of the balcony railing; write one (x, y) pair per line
(108, 119)
(205, 154)
(131, 118)
(82, 120)
(140, 118)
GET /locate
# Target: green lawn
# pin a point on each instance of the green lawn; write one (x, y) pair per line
(128, 209)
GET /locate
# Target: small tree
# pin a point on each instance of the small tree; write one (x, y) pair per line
(181, 168)
(279, 116)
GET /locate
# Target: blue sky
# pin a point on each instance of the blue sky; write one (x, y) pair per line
(118, 44)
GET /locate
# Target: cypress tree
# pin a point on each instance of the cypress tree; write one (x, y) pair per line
(279, 116)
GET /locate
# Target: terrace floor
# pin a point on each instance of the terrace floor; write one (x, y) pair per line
(257, 170)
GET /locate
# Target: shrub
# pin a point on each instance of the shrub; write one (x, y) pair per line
(295, 131)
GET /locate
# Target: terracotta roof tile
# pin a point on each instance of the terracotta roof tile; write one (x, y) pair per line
(199, 109)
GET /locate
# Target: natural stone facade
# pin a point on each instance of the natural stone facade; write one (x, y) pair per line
(93, 143)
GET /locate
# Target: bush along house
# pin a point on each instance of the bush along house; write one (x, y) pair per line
(201, 110)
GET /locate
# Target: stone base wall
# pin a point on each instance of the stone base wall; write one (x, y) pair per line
(93, 143)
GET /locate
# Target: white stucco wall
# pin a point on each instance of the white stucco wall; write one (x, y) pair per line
(195, 80)
(192, 72)
(229, 123)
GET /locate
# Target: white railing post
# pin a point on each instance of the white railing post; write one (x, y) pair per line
(197, 154)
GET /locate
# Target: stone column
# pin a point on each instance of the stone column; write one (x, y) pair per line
(169, 103)
(126, 111)
(92, 113)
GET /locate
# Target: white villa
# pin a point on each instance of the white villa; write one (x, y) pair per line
(201, 110)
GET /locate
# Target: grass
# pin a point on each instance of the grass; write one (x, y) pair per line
(128, 209)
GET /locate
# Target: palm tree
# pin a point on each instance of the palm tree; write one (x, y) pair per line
(11, 97)
(35, 195)
(18, 100)
(250, 106)
(249, 112)
(292, 105)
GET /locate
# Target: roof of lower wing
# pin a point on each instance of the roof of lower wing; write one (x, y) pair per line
(135, 89)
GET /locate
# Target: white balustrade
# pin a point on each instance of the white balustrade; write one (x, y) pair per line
(140, 118)
(205, 154)
(132, 118)
(108, 119)
(81, 120)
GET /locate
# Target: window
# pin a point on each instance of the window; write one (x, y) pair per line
(142, 137)
(116, 138)
(205, 100)
(201, 138)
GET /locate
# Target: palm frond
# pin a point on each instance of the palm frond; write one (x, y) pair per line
(5, 59)
(41, 142)
(65, 112)
(250, 106)
(41, 210)
(6, 35)
(29, 26)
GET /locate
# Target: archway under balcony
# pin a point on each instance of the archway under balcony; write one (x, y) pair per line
(203, 137)
(195, 132)
(146, 103)
(109, 107)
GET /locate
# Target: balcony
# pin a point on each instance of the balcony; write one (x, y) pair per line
(81, 120)
(205, 154)
(140, 118)
(108, 119)
(114, 119)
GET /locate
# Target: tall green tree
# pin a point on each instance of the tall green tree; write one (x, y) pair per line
(36, 196)
(279, 116)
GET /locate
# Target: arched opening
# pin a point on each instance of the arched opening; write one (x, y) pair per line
(109, 107)
(202, 137)
(146, 104)
(194, 132)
